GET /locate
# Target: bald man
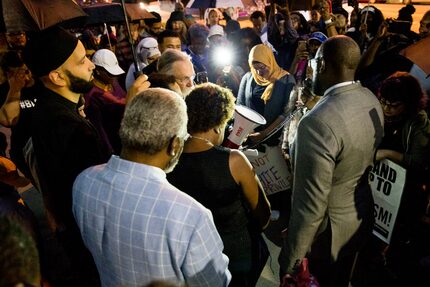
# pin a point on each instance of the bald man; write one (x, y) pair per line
(332, 208)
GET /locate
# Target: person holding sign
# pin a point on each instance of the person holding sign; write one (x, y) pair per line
(406, 142)
(332, 206)
(223, 181)
(407, 127)
(406, 138)
(266, 89)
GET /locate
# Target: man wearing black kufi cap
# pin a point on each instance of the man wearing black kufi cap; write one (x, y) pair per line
(63, 143)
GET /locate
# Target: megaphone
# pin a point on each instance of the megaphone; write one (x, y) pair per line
(245, 120)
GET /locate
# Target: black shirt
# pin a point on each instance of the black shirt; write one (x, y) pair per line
(64, 145)
(21, 132)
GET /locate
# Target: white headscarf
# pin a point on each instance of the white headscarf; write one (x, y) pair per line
(147, 47)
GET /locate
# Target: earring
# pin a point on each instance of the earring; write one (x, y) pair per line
(172, 153)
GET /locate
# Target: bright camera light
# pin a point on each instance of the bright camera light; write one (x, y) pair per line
(223, 56)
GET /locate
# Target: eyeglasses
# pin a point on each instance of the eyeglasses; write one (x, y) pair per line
(388, 104)
(313, 63)
(186, 80)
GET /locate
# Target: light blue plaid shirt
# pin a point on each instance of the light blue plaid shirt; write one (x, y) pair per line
(140, 228)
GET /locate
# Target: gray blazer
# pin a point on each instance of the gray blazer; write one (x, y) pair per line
(335, 144)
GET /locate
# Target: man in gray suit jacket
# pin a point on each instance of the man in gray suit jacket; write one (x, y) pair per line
(332, 210)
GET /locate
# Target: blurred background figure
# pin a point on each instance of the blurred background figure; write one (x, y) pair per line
(259, 24)
(223, 180)
(19, 258)
(315, 18)
(153, 26)
(341, 22)
(104, 104)
(368, 21)
(176, 23)
(425, 25)
(212, 17)
(167, 39)
(283, 35)
(147, 52)
(198, 50)
(16, 40)
(242, 42)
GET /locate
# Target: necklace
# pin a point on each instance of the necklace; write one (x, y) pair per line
(203, 139)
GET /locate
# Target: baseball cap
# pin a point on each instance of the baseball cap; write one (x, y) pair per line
(318, 36)
(216, 30)
(106, 58)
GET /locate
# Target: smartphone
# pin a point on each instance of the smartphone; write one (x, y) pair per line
(202, 77)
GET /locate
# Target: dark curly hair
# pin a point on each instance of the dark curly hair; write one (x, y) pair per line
(208, 106)
(405, 88)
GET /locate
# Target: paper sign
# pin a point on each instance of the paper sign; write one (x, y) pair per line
(387, 180)
(271, 169)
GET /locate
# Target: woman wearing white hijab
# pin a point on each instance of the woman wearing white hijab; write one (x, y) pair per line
(147, 52)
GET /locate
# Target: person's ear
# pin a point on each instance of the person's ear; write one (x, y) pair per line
(174, 146)
(217, 130)
(57, 78)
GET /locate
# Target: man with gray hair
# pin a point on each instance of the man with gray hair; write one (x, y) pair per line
(138, 227)
(179, 65)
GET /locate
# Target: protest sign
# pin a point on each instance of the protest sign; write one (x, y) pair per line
(387, 181)
(271, 169)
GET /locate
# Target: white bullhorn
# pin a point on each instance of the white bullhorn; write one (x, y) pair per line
(245, 120)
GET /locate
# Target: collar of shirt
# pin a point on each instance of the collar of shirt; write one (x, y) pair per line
(138, 170)
(52, 98)
(338, 86)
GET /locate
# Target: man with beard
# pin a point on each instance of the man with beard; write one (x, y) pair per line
(138, 226)
(332, 208)
(178, 64)
(62, 143)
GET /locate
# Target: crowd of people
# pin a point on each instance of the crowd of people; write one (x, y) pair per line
(138, 190)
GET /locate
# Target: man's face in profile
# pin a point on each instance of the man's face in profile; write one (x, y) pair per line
(183, 71)
(79, 71)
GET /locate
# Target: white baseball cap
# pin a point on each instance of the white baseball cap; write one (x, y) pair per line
(106, 58)
(216, 30)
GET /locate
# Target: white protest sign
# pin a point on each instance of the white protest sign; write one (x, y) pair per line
(387, 181)
(271, 169)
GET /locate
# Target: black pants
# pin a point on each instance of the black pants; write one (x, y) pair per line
(82, 266)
